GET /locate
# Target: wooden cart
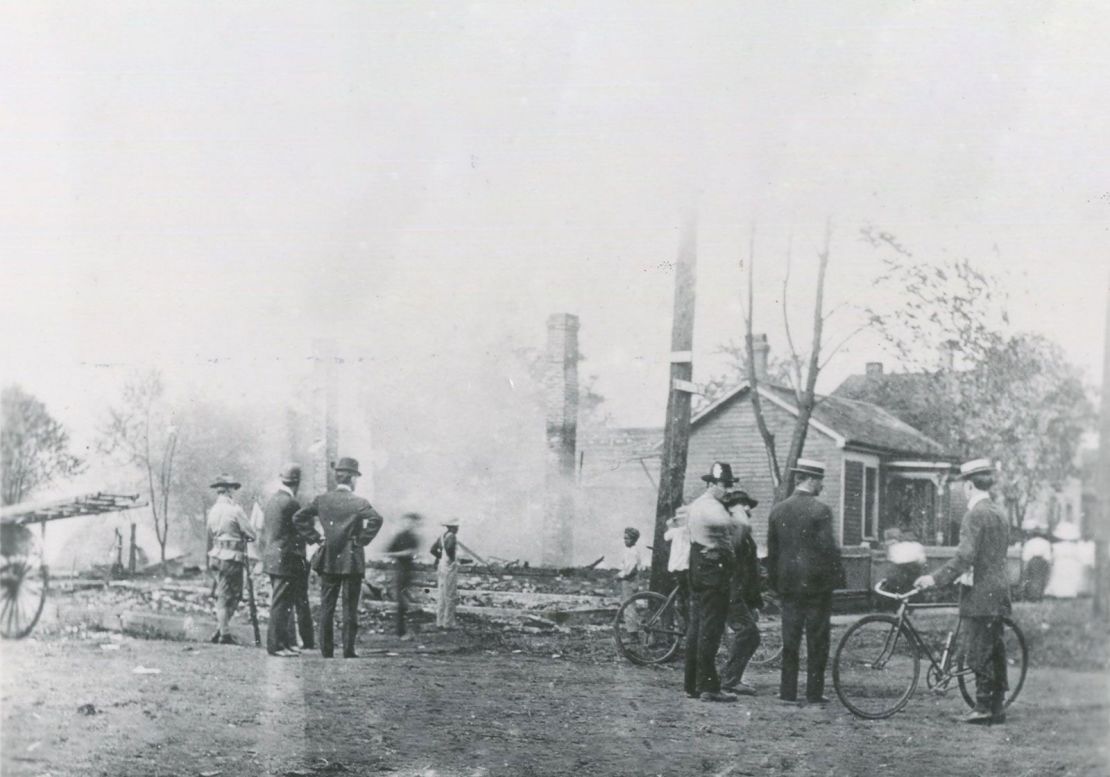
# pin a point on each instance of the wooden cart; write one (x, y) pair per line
(24, 579)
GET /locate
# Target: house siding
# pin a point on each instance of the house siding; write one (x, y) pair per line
(731, 434)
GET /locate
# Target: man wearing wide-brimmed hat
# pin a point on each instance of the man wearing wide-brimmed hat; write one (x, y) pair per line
(230, 531)
(804, 567)
(712, 564)
(443, 551)
(984, 537)
(350, 523)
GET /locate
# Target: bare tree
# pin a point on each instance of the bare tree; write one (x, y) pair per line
(806, 367)
(35, 446)
(140, 430)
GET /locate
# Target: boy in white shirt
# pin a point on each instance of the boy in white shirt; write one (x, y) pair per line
(678, 563)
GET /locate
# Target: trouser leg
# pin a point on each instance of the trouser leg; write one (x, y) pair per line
(330, 586)
(793, 619)
(303, 610)
(628, 588)
(985, 654)
(281, 610)
(448, 589)
(229, 591)
(682, 598)
(714, 610)
(400, 588)
(352, 590)
(745, 642)
(818, 613)
(693, 631)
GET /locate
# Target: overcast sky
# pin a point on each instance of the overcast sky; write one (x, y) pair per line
(207, 186)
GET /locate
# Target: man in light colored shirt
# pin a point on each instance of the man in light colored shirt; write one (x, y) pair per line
(712, 564)
(230, 530)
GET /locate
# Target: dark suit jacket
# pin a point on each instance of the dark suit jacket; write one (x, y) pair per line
(802, 556)
(984, 537)
(745, 583)
(282, 546)
(350, 524)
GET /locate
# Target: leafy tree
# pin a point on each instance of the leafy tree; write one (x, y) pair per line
(140, 430)
(35, 446)
(1011, 397)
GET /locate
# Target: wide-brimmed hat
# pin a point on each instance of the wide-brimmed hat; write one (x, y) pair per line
(976, 467)
(451, 522)
(226, 481)
(811, 467)
(740, 497)
(347, 464)
(720, 472)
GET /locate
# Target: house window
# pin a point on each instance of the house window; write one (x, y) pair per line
(861, 499)
(870, 501)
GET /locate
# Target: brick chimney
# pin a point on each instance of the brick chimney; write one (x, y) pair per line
(561, 398)
(874, 370)
(760, 351)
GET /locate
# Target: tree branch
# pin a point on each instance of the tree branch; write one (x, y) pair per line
(753, 379)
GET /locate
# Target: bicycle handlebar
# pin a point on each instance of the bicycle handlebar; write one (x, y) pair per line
(891, 595)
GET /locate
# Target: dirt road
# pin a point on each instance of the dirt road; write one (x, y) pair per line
(235, 711)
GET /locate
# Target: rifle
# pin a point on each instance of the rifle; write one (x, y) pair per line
(251, 605)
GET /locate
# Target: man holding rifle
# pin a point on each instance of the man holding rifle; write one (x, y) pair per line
(231, 531)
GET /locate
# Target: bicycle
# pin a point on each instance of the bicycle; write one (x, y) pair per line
(649, 629)
(878, 661)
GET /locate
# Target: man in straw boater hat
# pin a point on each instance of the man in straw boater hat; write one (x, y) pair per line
(283, 559)
(984, 537)
(230, 531)
(712, 564)
(804, 567)
(350, 523)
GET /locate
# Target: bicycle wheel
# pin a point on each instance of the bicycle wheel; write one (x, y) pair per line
(648, 629)
(1017, 664)
(770, 638)
(876, 667)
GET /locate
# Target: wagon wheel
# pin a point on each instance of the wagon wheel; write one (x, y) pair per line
(23, 581)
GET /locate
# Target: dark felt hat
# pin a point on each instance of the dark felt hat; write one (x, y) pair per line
(720, 472)
(347, 464)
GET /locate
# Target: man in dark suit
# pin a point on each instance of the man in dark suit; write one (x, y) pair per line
(804, 566)
(350, 524)
(984, 537)
(283, 559)
(744, 596)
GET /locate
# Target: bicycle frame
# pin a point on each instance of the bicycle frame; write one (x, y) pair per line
(944, 675)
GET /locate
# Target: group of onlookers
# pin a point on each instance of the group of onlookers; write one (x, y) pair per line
(715, 568)
(341, 524)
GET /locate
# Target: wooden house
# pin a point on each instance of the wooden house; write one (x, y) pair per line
(881, 473)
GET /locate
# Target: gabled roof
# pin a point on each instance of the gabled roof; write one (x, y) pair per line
(851, 423)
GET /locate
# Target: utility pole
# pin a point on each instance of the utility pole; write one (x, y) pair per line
(676, 429)
(1102, 518)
